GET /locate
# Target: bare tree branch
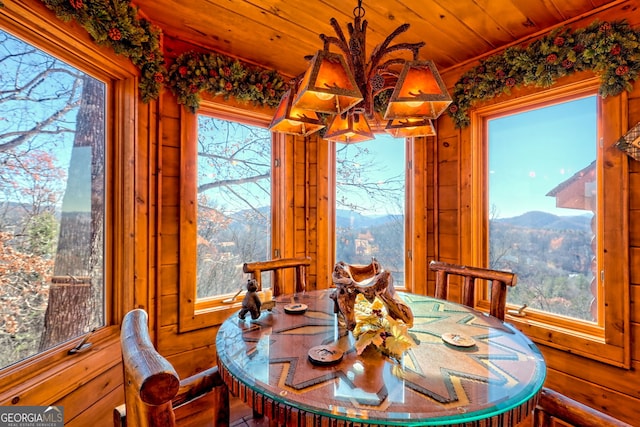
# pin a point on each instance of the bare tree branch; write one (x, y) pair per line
(231, 182)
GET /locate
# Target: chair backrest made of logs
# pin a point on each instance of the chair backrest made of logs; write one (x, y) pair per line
(154, 393)
(257, 268)
(498, 290)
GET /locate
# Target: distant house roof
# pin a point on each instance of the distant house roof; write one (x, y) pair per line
(577, 192)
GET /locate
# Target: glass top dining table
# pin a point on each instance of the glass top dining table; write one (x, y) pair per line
(494, 382)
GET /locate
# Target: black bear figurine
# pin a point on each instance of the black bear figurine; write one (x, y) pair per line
(251, 302)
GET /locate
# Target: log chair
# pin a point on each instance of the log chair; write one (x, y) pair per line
(154, 393)
(258, 267)
(553, 405)
(499, 282)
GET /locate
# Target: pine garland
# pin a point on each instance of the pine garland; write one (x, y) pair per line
(611, 50)
(116, 24)
(193, 73)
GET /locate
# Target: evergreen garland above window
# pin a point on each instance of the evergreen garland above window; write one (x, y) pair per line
(193, 73)
(116, 24)
(611, 50)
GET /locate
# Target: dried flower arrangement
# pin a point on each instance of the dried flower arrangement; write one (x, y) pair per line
(375, 327)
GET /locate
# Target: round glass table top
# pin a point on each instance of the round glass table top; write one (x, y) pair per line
(467, 366)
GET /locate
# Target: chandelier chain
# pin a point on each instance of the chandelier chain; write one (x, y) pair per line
(358, 11)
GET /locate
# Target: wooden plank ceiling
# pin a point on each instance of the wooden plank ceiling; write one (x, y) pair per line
(278, 34)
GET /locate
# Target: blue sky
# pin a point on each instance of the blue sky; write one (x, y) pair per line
(532, 152)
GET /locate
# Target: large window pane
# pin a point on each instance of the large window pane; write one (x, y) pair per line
(52, 145)
(542, 206)
(370, 201)
(234, 203)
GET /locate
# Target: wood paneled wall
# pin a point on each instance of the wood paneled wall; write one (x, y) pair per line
(607, 388)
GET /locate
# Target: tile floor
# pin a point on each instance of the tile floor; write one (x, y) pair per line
(242, 415)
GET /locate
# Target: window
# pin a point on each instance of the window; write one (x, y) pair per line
(52, 201)
(370, 203)
(543, 206)
(555, 212)
(234, 203)
(226, 196)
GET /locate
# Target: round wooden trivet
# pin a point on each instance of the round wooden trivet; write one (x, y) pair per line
(325, 355)
(458, 340)
(295, 308)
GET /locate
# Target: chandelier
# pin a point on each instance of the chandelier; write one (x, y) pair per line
(343, 87)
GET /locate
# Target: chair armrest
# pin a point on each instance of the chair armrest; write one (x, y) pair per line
(197, 385)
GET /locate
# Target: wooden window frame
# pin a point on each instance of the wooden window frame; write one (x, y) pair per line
(195, 313)
(609, 341)
(38, 26)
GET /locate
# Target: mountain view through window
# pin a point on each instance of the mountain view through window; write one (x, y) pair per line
(234, 203)
(543, 206)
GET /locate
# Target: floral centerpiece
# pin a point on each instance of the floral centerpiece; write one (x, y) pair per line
(375, 327)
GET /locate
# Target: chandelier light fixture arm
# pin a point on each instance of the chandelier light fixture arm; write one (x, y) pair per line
(340, 41)
(353, 50)
(364, 71)
(383, 48)
(385, 70)
(413, 47)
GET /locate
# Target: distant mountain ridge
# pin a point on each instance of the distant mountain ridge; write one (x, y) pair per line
(351, 219)
(548, 221)
(532, 219)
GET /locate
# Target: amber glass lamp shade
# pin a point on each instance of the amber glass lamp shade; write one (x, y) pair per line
(295, 121)
(327, 86)
(419, 92)
(411, 127)
(349, 129)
